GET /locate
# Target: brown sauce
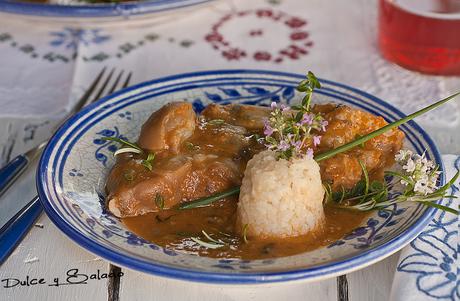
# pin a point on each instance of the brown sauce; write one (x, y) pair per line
(174, 229)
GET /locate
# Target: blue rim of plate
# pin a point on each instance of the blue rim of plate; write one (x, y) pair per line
(324, 270)
(125, 9)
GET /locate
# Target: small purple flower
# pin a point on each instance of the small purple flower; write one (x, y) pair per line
(285, 108)
(307, 119)
(309, 153)
(268, 130)
(297, 145)
(283, 146)
(274, 105)
(324, 123)
(316, 140)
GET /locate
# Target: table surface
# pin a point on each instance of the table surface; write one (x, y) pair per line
(47, 253)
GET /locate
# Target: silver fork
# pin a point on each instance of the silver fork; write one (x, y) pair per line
(17, 226)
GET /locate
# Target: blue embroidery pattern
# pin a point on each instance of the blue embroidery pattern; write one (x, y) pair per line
(435, 253)
(70, 38)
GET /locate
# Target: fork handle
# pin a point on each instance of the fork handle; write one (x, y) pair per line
(12, 233)
(11, 171)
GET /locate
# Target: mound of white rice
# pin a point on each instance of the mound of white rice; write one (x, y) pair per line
(280, 198)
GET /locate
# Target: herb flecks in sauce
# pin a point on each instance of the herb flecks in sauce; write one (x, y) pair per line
(129, 175)
(245, 233)
(216, 122)
(159, 201)
(176, 232)
(191, 147)
(147, 163)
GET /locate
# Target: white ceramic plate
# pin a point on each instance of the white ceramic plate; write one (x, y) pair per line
(74, 166)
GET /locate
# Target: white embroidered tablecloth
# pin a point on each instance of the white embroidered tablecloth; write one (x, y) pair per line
(45, 67)
(429, 268)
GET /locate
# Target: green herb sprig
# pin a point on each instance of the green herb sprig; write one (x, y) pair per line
(419, 185)
(211, 243)
(308, 85)
(132, 148)
(124, 142)
(203, 202)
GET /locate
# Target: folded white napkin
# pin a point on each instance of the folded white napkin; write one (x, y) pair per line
(428, 268)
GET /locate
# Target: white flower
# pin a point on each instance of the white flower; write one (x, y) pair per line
(403, 154)
(432, 181)
(419, 170)
(404, 183)
(409, 166)
(430, 164)
(422, 186)
(421, 164)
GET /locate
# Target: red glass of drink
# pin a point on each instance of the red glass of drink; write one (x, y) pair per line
(421, 35)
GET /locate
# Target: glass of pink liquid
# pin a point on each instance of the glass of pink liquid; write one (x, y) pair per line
(421, 35)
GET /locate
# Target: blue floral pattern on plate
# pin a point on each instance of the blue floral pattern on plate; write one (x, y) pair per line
(374, 230)
(105, 145)
(77, 205)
